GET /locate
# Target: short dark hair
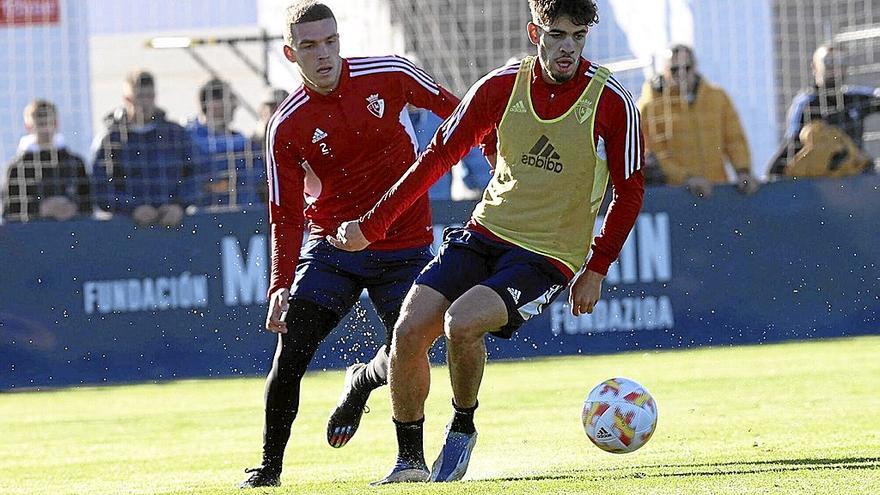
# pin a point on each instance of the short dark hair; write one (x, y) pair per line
(305, 11)
(139, 78)
(581, 12)
(677, 48)
(215, 89)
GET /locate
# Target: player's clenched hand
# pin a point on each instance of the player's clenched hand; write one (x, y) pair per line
(277, 311)
(585, 291)
(349, 237)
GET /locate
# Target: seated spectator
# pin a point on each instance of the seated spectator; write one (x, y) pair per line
(143, 162)
(826, 124)
(466, 181)
(692, 129)
(44, 180)
(231, 172)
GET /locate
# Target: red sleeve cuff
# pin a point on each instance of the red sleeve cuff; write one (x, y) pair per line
(599, 263)
(371, 233)
(274, 288)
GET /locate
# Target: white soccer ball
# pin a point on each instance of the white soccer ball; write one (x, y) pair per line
(619, 415)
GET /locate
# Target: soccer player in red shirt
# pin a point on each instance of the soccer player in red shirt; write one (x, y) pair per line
(334, 146)
(564, 126)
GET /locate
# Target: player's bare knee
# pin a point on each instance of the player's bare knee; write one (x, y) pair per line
(408, 340)
(460, 328)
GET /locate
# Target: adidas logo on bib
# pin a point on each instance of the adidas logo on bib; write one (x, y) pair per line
(518, 107)
(543, 155)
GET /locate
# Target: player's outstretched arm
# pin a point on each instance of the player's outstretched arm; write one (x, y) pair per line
(473, 119)
(464, 129)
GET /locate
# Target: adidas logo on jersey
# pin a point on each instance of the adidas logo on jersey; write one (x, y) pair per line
(543, 155)
(318, 135)
(518, 107)
(515, 294)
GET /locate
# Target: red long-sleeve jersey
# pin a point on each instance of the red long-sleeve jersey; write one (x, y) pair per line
(331, 157)
(616, 133)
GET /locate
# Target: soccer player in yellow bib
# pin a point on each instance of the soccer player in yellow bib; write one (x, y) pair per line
(561, 127)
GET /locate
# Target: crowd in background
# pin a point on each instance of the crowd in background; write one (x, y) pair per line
(694, 138)
(154, 170)
(142, 164)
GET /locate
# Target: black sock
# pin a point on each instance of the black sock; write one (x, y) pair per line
(410, 443)
(375, 374)
(463, 419)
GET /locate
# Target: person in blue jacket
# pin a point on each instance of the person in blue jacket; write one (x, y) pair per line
(143, 163)
(231, 173)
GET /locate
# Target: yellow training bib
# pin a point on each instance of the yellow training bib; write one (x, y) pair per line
(549, 180)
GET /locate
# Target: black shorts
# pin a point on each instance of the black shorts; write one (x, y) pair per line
(334, 279)
(526, 281)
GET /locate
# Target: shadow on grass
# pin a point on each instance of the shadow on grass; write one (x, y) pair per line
(704, 469)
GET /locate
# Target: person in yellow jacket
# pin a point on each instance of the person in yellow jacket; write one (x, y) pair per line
(692, 129)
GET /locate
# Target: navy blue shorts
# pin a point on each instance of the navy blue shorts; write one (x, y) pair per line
(526, 281)
(334, 279)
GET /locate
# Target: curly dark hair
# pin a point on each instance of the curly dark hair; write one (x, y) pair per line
(581, 12)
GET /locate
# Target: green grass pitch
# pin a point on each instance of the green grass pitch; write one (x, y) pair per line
(795, 418)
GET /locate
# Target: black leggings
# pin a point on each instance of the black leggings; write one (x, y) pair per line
(308, 324)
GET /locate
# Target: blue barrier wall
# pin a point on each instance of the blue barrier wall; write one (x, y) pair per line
(97, 302)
